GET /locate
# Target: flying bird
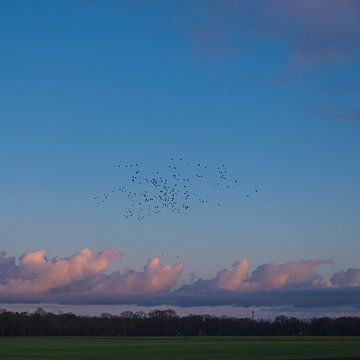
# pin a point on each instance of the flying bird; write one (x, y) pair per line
(176, 189)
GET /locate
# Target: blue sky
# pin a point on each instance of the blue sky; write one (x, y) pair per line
(86, 84)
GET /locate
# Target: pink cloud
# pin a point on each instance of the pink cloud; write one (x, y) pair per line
(84, 278)
(36, 274)
(235, 279)
(84, 271)
(291, 274)
(154, 278)
(270, 276)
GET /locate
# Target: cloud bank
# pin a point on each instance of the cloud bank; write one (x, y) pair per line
(85, 278)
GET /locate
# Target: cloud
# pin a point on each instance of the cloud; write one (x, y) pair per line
(36, 274)
(348, 278)
(7, 267)
(85, 271)
(298, 298)
(237, 279)
(349, 115)
(295, 274)
(315, 31)
(322, 29)
(155, 278)
(84, 278)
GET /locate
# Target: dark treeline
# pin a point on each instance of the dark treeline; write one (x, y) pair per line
(168, 323)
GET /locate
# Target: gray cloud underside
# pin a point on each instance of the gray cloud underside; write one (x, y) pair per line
(304, 298)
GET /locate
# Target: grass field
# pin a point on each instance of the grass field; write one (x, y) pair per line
(206, 348)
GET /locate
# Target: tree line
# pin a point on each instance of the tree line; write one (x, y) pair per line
(169, 323)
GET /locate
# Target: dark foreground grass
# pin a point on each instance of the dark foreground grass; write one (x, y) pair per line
(206, 348)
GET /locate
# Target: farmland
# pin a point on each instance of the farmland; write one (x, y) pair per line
(176, 348)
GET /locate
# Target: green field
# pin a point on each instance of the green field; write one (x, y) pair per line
(206, 348)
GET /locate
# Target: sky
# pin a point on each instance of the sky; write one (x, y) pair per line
(270, 88)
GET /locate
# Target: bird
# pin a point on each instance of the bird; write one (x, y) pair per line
(173, 190)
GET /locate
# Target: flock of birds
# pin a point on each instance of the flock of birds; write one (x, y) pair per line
(173, 189)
